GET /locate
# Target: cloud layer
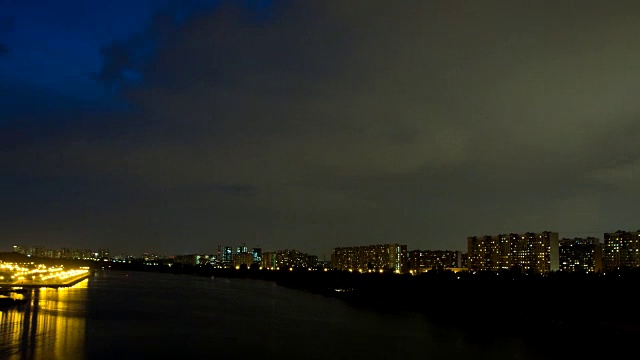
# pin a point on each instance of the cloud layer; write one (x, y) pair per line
(311, 125)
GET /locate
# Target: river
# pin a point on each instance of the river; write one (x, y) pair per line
(120, 315)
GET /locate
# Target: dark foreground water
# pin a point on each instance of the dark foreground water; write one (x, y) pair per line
(118, 315)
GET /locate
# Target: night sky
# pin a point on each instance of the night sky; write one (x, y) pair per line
(172, 126)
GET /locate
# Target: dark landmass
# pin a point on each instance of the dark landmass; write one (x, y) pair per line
(571, 301)
(572, 307)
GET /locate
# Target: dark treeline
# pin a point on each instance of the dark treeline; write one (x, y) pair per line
(571, 301)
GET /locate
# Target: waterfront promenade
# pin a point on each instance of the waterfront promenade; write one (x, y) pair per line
(36, 276)
(57, 283)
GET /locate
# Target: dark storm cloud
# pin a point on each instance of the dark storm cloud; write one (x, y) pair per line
(365, 122)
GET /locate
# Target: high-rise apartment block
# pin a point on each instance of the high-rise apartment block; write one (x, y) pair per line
(285, 259)
(257, 255)
(621, 250)
(538, 252)
(425, 260)
(103, 253)
(372, 257)
(581, 254)
(243, 259)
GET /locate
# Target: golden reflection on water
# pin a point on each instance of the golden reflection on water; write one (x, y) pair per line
(50, 326)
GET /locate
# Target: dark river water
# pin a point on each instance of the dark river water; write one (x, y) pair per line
(118, 315)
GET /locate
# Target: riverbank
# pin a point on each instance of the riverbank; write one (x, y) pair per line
(562, 304)
(30, 284)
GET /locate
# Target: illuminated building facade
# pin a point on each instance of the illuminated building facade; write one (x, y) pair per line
(463, 260)
(621, 250)
(581, 255)
(82, 254)
(312, 260)
(285, 259)
(425, 260)
(191, 259)
(103, 253)
(257, 255)
(370, 258)
(243, 259)
(227, 254)
(537, 252)
(64, 253)
(269, 260)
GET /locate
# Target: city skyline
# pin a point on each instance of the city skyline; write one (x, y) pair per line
(176, 126)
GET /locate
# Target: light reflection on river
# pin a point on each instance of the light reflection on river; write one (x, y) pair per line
(51, 326)
(146, 315)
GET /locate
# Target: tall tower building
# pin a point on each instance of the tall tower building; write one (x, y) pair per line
(621, 250)
(227, 254)
(257, 255)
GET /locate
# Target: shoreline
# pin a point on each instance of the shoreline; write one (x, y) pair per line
(9, 286)
(562, 304)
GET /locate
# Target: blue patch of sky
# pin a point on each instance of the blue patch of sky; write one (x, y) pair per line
(55, 46)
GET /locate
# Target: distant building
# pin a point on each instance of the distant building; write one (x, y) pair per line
(103, 253)
(51, 253)
(227, 254)
(425, 260)
(206, 259)
(621, 250)
(292, 258)
(82, 254)
(64, 253)
(391, 257)
(191, 259)
(285, 259)
(243, 259)
(537, 252)
(312, 260)
(464, 260)
(269, 260)
(581, 255)
(257, 255)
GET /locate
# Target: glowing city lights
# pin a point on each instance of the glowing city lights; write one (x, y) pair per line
(38, 274)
